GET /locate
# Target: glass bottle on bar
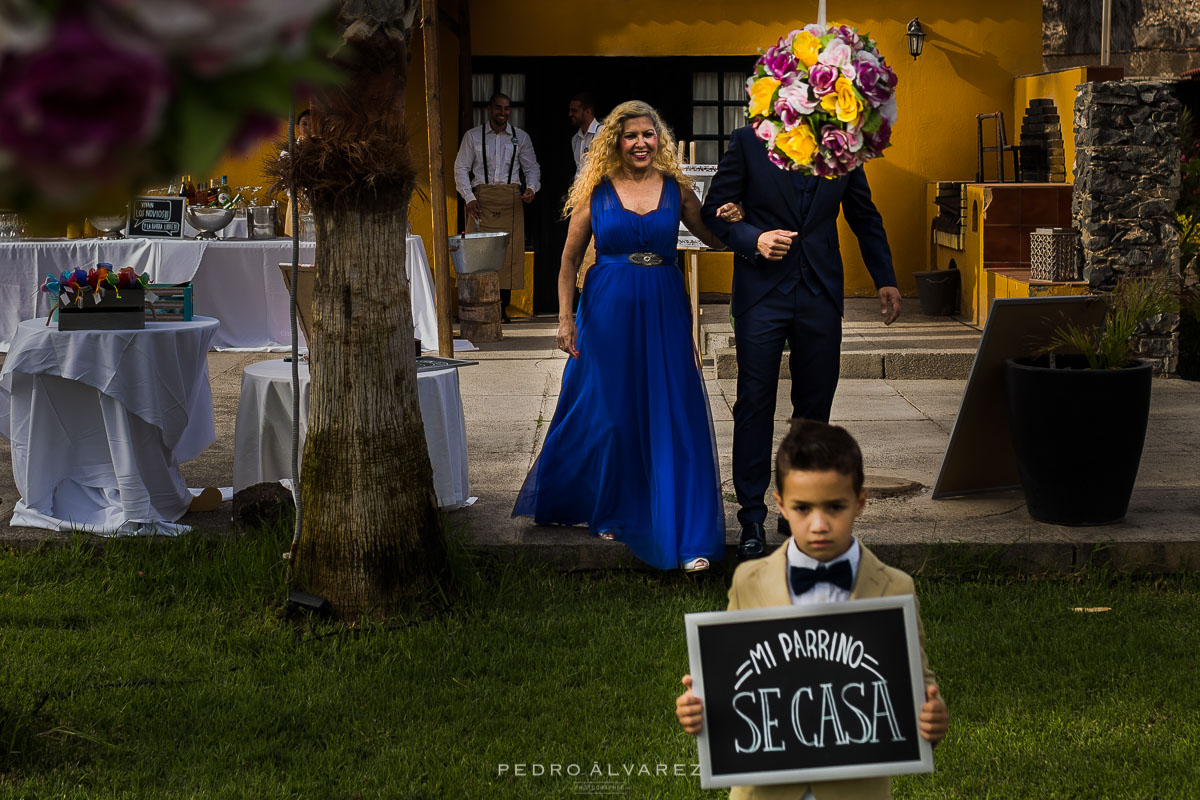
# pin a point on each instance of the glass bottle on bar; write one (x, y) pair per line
(223, 194)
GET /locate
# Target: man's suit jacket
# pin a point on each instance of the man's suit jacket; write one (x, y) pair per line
(766, 193)
(763, 584)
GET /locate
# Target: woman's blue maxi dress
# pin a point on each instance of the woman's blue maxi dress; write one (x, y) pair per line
(631, 448)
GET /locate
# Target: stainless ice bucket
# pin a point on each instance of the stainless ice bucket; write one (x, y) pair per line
(263, 222)
(478, 252)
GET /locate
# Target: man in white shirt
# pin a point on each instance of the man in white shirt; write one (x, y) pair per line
(582, 112)
(496, 173)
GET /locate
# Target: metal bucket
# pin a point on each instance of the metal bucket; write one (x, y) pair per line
(478, 252)
(262, 222)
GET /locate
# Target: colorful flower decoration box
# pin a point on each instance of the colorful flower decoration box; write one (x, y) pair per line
(98, 299)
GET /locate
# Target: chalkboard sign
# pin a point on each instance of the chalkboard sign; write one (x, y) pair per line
(808, 693)
(156, 216)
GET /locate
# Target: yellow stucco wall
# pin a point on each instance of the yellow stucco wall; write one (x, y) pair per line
(973, 51)
(245, 169)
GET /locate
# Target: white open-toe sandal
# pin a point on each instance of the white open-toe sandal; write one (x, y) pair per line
(695, 565)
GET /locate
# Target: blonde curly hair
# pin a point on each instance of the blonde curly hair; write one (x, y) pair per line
(604, 155)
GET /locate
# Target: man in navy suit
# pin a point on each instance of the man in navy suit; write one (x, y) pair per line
(787, 287)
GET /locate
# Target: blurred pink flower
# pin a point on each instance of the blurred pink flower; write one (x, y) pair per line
(69, 109)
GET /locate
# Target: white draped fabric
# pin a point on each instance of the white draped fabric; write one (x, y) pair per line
(237, 282)
(99, 422)
(263, 436)
(420, 285)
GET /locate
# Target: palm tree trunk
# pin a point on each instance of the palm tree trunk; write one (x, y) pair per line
(371, 541)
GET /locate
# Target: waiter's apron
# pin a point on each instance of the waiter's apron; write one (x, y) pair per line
(501, 209)
(589, 261)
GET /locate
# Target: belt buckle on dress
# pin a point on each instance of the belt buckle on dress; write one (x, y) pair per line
(646, 259)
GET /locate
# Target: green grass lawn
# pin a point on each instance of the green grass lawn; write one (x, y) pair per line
(162, 669)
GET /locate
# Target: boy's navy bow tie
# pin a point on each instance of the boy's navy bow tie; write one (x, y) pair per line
(803, 578)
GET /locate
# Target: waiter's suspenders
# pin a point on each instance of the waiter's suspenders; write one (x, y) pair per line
(515, 143)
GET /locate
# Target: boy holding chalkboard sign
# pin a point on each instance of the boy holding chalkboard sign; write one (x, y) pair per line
(819, 476)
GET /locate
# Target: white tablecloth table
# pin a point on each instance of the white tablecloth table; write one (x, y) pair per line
(239, 283)
(99, 422)
(235, 281)
(263, 436)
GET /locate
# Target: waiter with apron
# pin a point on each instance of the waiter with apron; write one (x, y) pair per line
(495, 173)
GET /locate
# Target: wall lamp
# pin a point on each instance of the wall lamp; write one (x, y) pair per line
(916, 38)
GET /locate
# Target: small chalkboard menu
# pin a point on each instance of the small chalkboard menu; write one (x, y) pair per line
(156, 216)
(808, 693)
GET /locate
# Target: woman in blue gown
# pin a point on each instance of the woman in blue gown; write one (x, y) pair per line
(631, 451)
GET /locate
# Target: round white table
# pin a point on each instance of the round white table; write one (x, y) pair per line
(99, 422)
(263, 436)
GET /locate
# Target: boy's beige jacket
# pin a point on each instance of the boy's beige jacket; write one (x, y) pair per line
(763, 584)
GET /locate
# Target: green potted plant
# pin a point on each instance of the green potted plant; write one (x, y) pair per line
(1078, 411)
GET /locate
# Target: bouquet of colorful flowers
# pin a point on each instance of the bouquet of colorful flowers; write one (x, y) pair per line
(823, 100)
(75, 284)
(99, 98)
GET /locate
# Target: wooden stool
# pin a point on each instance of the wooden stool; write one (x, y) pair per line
(479, 306)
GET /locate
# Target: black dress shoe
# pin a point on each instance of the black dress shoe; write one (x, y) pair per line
(753, 543)
(504, 318)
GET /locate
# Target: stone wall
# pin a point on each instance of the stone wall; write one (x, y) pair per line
(1126, 187)
(1149, 37)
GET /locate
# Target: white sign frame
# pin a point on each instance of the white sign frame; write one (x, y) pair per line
(702, 176)
(906, 603)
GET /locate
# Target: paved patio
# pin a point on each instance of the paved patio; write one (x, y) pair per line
(903, 425)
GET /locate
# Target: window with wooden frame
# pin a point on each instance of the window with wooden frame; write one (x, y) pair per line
(485, 85)
(718, 109)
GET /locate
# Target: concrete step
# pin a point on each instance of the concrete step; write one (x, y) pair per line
(909, 364)
(714, 340)
(916, 347)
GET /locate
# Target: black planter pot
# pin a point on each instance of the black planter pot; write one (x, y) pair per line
(938, 291)
(1077, 434)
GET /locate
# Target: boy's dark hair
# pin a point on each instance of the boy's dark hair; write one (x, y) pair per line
(816, 447)
(306, 112)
